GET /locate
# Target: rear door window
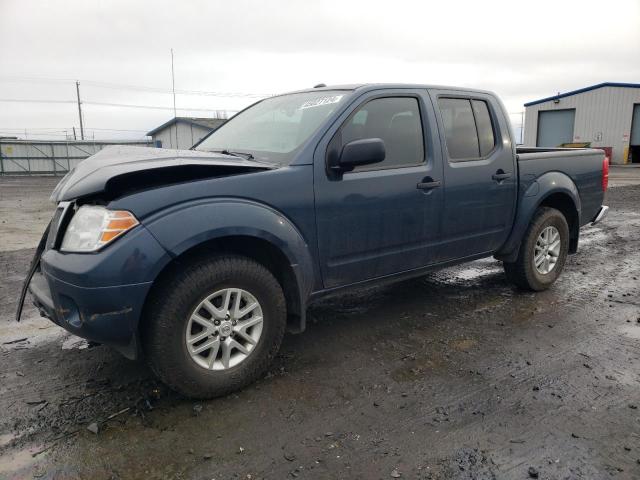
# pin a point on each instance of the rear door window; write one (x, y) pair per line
(468, 128)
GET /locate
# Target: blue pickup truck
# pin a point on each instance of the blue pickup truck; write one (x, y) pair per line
(200, 260)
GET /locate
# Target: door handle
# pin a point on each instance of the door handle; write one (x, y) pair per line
(500, 176)
(429, 185)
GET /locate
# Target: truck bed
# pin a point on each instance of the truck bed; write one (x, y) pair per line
(582, 165)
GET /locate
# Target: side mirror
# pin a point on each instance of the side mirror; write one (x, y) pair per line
(361, 152)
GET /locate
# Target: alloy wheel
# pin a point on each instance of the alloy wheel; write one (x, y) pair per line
(224, 328)
(547, 250)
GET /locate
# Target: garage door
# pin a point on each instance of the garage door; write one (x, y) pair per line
(555, 127)
(635, 125)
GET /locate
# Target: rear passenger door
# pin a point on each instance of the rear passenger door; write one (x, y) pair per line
(479, 174)
(382, 218)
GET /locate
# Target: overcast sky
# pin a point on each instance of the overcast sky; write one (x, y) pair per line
(520, 50)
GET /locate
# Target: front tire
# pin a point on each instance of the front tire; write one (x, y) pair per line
(214, 325)
(543, 251)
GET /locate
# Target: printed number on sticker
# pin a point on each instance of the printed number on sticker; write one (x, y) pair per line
(321, 101)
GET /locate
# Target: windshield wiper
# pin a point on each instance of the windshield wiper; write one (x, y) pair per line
(246, 156)
(243, 155)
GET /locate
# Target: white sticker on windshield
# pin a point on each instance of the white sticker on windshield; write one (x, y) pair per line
(321, 101)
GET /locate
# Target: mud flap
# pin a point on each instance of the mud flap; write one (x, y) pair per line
(33, 268)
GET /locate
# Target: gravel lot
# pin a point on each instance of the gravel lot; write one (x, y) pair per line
(451, 376)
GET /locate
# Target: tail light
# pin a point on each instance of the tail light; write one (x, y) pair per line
(605, 174)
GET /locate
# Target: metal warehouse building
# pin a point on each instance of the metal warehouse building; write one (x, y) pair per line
(186, 130)
(606, 115)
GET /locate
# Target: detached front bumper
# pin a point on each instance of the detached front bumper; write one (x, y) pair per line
(600, 215)
(100, 296)
(107, 315)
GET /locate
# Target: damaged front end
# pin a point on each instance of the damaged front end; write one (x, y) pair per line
(33, 268)
(122, 170)
(99, 294)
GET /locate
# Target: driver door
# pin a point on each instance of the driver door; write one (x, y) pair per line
(377, 220)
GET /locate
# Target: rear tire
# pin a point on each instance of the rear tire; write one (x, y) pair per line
(540, 261)
(198, 290)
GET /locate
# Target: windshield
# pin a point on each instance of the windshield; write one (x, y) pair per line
(274, 129)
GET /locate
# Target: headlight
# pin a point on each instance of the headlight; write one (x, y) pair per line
(93, 227)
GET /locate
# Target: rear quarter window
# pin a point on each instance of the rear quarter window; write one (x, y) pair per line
(484, 126)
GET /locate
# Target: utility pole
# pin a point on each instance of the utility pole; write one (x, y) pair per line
(74, 133)
(173, 88)
(80, 110)
(521, 127)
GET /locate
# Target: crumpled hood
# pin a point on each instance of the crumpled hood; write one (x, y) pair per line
(139, 164)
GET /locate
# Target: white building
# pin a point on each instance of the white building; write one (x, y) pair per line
(184, 132)
(606, 115)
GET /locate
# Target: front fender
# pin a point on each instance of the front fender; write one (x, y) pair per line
(534, 195)
(186, 225)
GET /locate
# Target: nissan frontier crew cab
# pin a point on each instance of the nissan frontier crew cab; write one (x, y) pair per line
(200, 260)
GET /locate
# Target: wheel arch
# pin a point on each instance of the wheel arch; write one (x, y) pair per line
(565, 204)
(258, 249)
(554, 190)
(243, 227)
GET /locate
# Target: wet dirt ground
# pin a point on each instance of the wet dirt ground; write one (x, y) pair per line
(455, 375)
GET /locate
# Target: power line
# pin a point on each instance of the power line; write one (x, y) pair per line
(53, 129)
(117, 130)
(25, 100)
(64, 129)
(66, 133)
(112, 104)
(119, 86)
(84, 103)
(154, 107)
(178, 91)
(31, 134)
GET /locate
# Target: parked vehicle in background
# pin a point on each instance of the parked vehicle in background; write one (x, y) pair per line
(200, 260)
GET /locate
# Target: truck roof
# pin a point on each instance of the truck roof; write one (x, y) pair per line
(365, 87)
